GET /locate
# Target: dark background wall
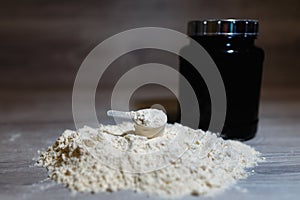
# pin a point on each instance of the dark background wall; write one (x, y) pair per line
(43, 42)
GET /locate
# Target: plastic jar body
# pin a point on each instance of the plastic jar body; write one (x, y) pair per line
(240, 64)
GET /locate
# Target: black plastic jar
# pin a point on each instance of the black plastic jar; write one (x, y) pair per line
(230, 43)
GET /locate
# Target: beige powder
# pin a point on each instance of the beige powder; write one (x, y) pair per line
(199, 163)
(150, 117)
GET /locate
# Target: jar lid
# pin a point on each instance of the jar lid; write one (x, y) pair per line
(225, 27)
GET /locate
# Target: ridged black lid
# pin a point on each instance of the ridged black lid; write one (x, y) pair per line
(226, 27)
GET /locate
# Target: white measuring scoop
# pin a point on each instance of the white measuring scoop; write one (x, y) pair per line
(147, 122)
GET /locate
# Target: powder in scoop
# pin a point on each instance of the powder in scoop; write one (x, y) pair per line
(150, 117)
(208, 165)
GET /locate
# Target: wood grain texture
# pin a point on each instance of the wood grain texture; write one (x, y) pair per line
(42, 43)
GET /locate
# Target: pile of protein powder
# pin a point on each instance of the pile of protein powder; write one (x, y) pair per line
(182, 161)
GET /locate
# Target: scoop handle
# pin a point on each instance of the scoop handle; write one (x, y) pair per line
(120, 114)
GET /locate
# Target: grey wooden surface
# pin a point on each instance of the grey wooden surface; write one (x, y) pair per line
(36, 118)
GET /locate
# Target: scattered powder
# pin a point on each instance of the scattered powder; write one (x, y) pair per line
(13, 137)
(82, 161)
